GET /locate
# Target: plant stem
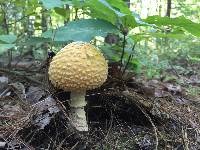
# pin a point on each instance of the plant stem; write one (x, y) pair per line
(123, 51)
(129, 58)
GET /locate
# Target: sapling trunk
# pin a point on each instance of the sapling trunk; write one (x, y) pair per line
(77, 112)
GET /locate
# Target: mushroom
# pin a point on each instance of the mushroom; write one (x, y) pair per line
(78, 67)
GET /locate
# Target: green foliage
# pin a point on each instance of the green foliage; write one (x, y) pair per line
(8, 38)
(81, 30)
(156, 34)
(7, 42)
(5, 47)
(61, 11)
(159, 39)
(49, 4)
(36, 40)
(193, 90)
(113, 11)
(188, 25)
(101, 12)
(136, 65)
(112, 52)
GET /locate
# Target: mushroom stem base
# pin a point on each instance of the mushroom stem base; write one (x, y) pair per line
(77, 112)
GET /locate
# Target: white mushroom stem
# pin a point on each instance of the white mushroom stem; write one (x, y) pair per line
(77, 112)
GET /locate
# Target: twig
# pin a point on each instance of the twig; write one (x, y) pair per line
(185, 138)
(76, 14)
(24, 143)
(22, 75)
(111, 123)
(74, 146)
(126, 93)
(11, 117)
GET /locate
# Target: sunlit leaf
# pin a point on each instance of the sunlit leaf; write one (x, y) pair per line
(128, 19)
(105, 3)
(116, 12)
(191, 27)
(100, 11)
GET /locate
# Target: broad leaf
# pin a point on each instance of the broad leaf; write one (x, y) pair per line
(120, 5)
(139, 21)
(149, 35)
(164, 35)
(105, 3)
(81, 30)
(112, 11)
(128, 19)
(8, 38)
(191, 27)
(100, 11)
(110, 53)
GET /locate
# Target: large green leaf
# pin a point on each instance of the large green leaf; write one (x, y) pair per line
(114, 11)
(120, 5)
(100, 11)
(128, 19)
(8, 38)
(149, 35)
(191, 27)
(139, 21)
(81, 30)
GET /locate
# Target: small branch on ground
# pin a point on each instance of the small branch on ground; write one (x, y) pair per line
(126, 93)
(21, 75)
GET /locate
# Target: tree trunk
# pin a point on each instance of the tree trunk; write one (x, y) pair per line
(44, 21)
(67, 19)
(168, 14)
(6, 28)
(169, 4)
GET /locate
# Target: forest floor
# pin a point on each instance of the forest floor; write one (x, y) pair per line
(126, 113)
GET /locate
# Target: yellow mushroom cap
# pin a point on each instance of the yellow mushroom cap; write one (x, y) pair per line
(78, 66)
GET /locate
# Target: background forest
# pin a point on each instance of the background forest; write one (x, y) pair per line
(27, 28)
(152, 47)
